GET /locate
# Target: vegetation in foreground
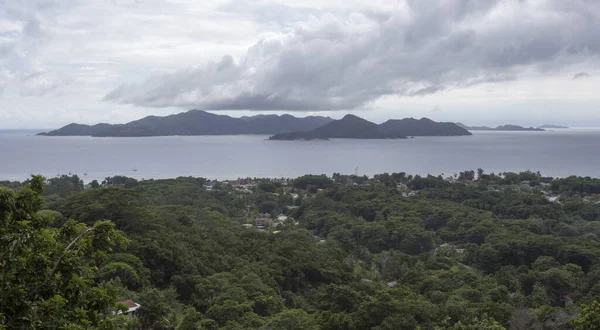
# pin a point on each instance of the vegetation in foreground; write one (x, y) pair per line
(474, 251)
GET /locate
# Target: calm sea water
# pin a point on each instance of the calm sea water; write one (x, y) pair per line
(555, 153)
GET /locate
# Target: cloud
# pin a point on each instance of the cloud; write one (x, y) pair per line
(581, 75)
(5, 77)
(40, 84)
(416, 49)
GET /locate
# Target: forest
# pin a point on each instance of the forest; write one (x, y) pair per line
(393, 251)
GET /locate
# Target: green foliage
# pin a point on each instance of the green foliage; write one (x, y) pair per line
(483, 323)
(474, 251)
(64, 185)
(316, 181)
(47, 274)
(94, 184)
(160, 309)
(589, 318)
(292, 319)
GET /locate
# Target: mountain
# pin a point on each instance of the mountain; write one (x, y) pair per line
(422, 127)
(499, 128)
(281, 124)
(195, 122)
(79, 129)
(552, 126)
(353, 127)
(349, 127)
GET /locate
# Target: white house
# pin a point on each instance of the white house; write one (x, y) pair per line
(133, 307)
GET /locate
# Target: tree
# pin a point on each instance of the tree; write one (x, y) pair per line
(292, 319)
(480, 174)
(589, 318)
(48, 274)
(160, 309)
(190, 320)
(483, 323)
(539, 296)
(94, 184)
(64, 185)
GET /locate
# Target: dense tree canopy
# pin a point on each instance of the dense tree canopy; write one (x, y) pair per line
(475, 250)
(48, 274)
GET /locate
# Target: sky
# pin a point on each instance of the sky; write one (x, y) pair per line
(492, 62)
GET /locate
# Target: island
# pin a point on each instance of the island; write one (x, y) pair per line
(547, 126)
(195, 122)
(280, 127)
(353, 127)
(500, 128)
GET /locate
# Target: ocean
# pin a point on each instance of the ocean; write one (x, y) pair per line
(554, 153)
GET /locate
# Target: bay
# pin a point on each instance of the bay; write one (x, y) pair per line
(554, 153)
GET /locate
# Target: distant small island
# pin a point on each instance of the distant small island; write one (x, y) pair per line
(500, 128)
(353, 127)
(547, 126)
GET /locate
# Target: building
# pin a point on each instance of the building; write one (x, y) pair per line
(568, 300)
(262, 223)
(133, 308)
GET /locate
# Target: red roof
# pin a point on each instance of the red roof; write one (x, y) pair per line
(129, 303)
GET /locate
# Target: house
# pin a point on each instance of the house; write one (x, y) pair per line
(552, 199)
(568, 301)
(282, 217)
(494, 187)
(461, 251)
(133, 307)
(391, 284)
(262, 223)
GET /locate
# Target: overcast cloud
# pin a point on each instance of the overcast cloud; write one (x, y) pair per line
(418, 48)
(117, 60)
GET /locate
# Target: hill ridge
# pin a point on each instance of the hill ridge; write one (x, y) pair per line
(194, 122)
(353, 127)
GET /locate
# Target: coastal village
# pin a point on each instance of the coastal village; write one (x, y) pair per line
(270, 222)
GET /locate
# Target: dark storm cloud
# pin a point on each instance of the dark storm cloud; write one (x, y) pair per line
(422, 47)
(581, 75)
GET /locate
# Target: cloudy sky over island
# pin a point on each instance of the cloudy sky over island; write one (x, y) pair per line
(480, 62)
